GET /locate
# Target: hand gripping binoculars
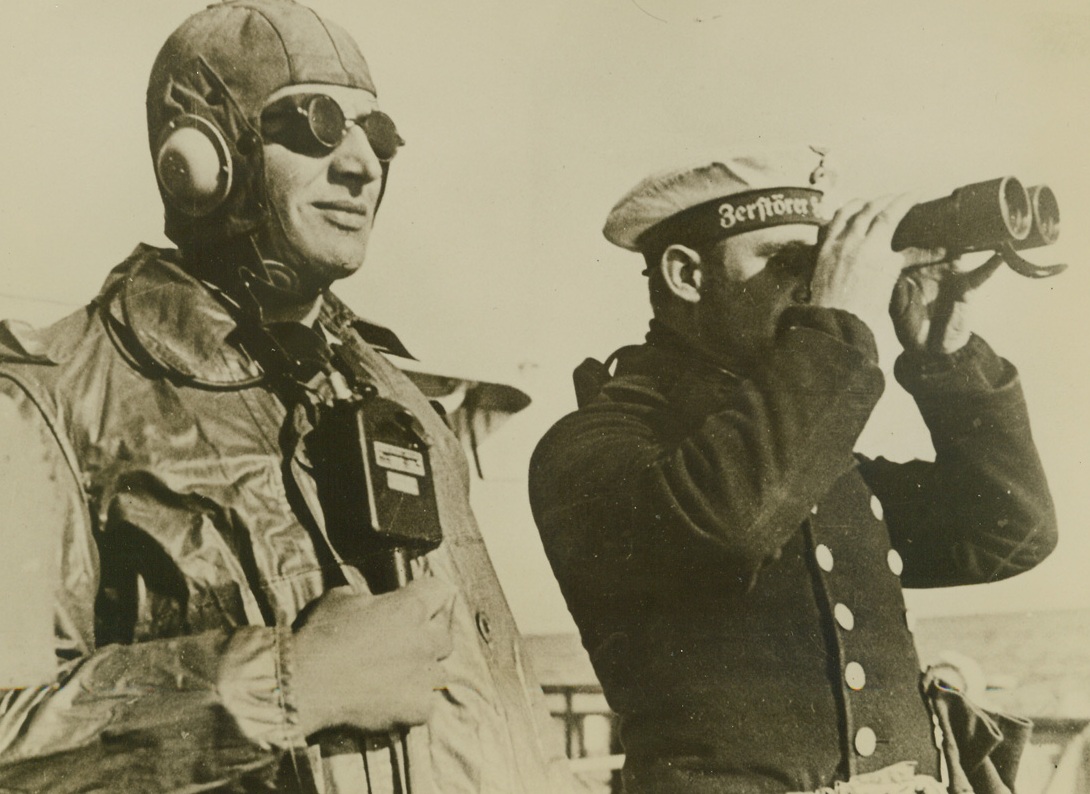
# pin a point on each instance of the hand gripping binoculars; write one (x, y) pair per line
(999, 215)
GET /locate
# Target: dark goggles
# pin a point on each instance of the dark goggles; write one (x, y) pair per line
(315, 124)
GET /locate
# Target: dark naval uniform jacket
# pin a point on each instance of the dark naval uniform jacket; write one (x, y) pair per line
(736, 570)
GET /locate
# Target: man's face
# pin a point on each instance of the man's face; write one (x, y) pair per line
(322, 203)
(750, 279)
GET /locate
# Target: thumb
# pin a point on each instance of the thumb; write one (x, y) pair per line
(905, 297)
(438, 598)
(909, 315)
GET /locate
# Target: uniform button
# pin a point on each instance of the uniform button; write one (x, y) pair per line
(876, 507)
(855, 677)
(865, 742)
(896, 564)
(938, 737)
(813, 510)
(484, 627)
(844, 617)
(824, 557)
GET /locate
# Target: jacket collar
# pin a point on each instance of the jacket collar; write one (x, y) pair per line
(163, 317)
(667, 353)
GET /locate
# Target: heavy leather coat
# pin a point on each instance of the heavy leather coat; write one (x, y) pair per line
(736, 570)
(170, 493)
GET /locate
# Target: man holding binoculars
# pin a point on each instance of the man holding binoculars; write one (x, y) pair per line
(734, 567)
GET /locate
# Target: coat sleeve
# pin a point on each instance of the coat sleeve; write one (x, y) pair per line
(191, 713)
(719, 468)
(981, 511)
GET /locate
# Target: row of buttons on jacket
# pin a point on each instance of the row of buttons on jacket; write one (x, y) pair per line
(855, 676)
(825, 560)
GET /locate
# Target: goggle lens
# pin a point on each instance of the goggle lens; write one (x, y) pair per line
(326, 126)
(326, 120)
(381, 132)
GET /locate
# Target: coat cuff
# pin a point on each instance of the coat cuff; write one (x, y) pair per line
(973, 368)
(255, 687)
(840, 325)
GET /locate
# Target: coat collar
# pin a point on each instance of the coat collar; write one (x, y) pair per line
(163, 317)
(668, 354)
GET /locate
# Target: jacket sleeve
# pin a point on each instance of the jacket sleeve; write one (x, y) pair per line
(981, 511)
(191, 713)
(719, 468)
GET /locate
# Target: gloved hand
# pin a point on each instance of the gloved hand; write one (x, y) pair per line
(372, 662)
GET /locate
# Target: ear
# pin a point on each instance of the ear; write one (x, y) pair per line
(682, 272)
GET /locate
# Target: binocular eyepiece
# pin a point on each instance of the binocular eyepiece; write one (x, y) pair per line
(998, 215)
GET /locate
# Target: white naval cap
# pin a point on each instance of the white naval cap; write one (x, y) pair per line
(722, 196)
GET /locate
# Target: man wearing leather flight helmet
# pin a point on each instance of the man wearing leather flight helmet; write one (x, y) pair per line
(734, 567)
(210, 632)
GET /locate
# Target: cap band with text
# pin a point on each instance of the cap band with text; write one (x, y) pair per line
(735, 214)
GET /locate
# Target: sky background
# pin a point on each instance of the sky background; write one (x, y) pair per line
(526, 121)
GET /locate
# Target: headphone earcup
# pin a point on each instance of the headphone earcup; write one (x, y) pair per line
(193, 165)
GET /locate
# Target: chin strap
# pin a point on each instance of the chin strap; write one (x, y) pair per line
(237, 268)
(270, 283)
(382, 187)
(235, 273)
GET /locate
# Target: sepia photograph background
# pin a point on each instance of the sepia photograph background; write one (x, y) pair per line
(525, 122)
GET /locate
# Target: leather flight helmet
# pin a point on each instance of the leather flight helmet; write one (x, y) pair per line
(205, 95)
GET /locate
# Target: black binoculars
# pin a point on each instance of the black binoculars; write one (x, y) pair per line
(998, 215)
